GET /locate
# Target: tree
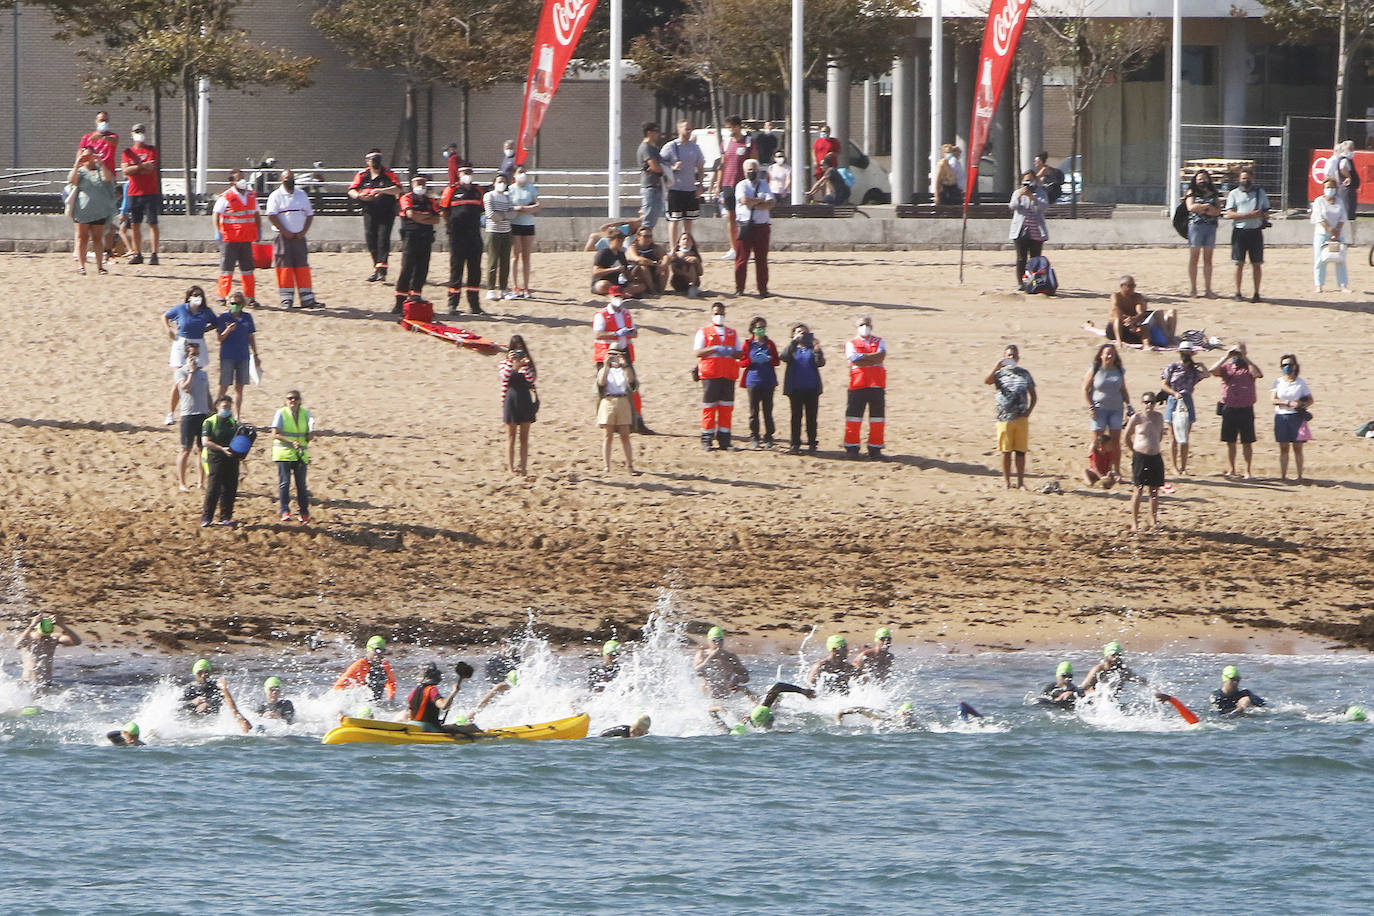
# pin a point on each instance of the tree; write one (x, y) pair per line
(166, 47)
(470, 44)
(1314, 20)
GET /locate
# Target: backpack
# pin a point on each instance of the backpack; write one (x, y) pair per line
(1039, 277)
(421, 310)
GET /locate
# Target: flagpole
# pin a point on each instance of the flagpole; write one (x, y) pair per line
(937, 93)
(1175, 113)
(613, 127)
(798, 142)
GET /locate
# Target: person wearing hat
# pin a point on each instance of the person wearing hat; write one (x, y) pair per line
(1111, 671)
(37, 646)
(865, 354)
(140, 165)
(721, 671)
(1145, 433)
(614, 328)
(276, 706)
(426, 703)
(875, 661)
(638, 729)
(128, 736)
(717, 350)
(1063, 693)
(833, 673)
(1231, 699)
(761, 716)
(372, 671)
(1180, 380)
(202, 697)
(601, 675)
(217, 432)
(461, 207)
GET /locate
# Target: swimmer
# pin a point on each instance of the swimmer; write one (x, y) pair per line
(875, 661)
(276, 706)
(1230, 699)
(1063, 693)
(721, 671)
(834, 671)
(904, 717)
(601, 675)
(426, 704)
(511, 679)
(639, 729)
(1355, 714)
(1111, 670)
(502, 664)
(372, 671)
(38, 645)
(126, 736)
(762, 715)
(204, 697)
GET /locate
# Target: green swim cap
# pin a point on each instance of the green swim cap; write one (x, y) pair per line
(376, 642)
(364, 712)
(905, 708)
(30, 711)
(715, 633)
(740, 729)
(460, 719)
(1112, 648)
(1063, 669)
(883, 633)
(835, 641)
(762, 716)
(1229, 673)
(202, 664)
(45, 625)
(512, 678)
(610, 647)
(131, 728)
(1355, 714)
(270, 683)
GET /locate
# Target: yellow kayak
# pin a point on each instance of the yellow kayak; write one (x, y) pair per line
(375, 731)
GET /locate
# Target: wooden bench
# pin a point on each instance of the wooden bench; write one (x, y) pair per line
(1000, 211)
(814, 211)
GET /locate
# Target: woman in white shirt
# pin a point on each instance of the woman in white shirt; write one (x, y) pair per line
(1329, 224)
(615, 383)
(780, 176)
(1292, 397)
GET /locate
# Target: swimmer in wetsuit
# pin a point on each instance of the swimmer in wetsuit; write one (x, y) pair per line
(639, 729)
(833, 673)
(426, 703)
(762, 715)
(276, 706)
(1063, 693)
(904, 717)
(601, 675)
(372, 671)
(721, 671)
(126, 736)
(875, 661)
(1111, 671)
(202, 697)
(1230, 699)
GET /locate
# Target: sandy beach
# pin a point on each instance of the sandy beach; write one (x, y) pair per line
(422, 535)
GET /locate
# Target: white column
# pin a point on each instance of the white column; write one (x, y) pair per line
(1235, 65)
(613, 115)
(202, 135)
(903, 128)
(798, 143)
(937, 89)
(1032, 118)
(870, 137)
(837, 107)
(1175, 112)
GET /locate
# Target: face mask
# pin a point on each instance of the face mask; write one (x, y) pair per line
(374, 162)
(1009, 363)
(1245, 184)
(751, 175)
(1290, 370)
(1330, 193)
(1238, 360)
(509, 151)
(447, 153)
(760, 332)
(102, 126)
(499, 186)
(865, 331)
(139, 137)
(236, 309)
(225, 414)
(289, 184)
(521, 178)
(465, 179)
(419, 190)
(617, 304)
(195, 302)
(825, 135)
(241, 185)
(718, 320)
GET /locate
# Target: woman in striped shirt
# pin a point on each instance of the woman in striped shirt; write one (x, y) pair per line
(519, 400)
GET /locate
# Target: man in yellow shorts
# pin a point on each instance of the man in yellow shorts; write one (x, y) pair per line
(1015, 391)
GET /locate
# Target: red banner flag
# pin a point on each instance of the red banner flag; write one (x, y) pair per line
(560, 26)
(1000, 37)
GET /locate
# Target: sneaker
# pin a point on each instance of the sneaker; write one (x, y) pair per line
(376, 275)
(1255, 298)
(312, 304)
(476, 310)
(286, 516)
(171, 420)
(152, 259)
(493, 295)
(1167, 489)
(305, 519)
(527, 294)
(287, 304)
(226, 523)
(205, 523)
(754, 442)
(509, 294)
(728, 256)
(253, 304)
(1239, 297)
(101, 269)
(693, 292)
(794, 450)
(136, 259)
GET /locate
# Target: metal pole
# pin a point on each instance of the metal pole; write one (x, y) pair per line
(870, 99)
(799, 183)
(613, 126)
(937, 90)
(202, 134)
(14, 87)
(1175, 113)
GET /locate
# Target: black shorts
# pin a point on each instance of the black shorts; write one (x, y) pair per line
(144, 208)
(521, 230)
(1147, 470)
(727, 200)
(191, 424)
(1238, 422)
(1247, 241)
(683, 205)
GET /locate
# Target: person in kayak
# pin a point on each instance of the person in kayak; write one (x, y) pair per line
(1063, 693)
(608, 670)
(721, 671)
(832, 673)
(1231, 699)
(762, 715)
(1111, 671)
(639, 729)
(372, 671)
(904, 717)
(128, 736)
(276, 706)
(426, 703)
(875, 661)
(37, 644)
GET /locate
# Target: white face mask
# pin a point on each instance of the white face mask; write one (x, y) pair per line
(241, 184)
(617, 304)
(718, 320)
(139, 137)
(195, 302)
(465, 179)
(865, 331)
(102, 126)
(499, 186)
(1008, 363)
(419, 190)
(521, 178)
(1330, 193)
(447, 153)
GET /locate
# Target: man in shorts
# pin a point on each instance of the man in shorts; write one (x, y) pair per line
(238, 350)
(1248, 206)
(1238, 375)
(1145, 432)
(685, 166)
(140, 165)
(650, 176)
(1015, 400)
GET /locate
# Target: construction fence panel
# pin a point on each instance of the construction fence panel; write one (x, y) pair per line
(1223, 149)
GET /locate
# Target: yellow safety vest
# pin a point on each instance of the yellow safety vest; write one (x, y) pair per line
(297, 427)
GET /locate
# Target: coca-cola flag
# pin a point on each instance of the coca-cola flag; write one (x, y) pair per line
(560, 26)
(1000, 35)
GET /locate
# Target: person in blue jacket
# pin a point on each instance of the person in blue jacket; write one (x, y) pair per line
(757, 360)
(801, 384)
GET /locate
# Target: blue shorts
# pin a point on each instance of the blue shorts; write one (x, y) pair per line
(1202, 235)
(1106, 419)
(1286, 426)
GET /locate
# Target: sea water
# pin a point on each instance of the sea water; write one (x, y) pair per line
(1119, 807)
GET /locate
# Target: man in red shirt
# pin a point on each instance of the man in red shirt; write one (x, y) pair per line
(140, 165)
(825, 145)
(102, 141)
(377, 189)
(736, 150)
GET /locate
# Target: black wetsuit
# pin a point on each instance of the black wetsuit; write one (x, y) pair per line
(1065, 696)
(117, 738)
(280, 709)
(210, 692)
(619, 731)
(601, 675)
(498, 666)
(1226, 704)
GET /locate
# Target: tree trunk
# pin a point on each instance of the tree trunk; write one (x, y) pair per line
(188, 134)
(412, 130)
(1342, 63)
(467, 138)
(1074, 165)
(157, 117)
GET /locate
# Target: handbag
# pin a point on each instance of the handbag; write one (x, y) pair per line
(1221, 409)
(742, 232)
(1181, 219)
(1333, 252)
(1304, 434)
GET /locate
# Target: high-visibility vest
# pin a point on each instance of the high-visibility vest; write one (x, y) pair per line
(866, 376)
(297, 427)
(718, 366)
(239, 221)
(614, 321)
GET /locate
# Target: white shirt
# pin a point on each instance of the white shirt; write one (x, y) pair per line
(746, 214)
(851, 354)
(1330, 211)
(779, 178)
(960, 174)
(1286, 390)
(624, 322)
(290, 208)
(616, 382)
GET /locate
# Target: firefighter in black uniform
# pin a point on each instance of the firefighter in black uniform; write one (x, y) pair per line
(462, 204)
(376, 189)
(419, 214)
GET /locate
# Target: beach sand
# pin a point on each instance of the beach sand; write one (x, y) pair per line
(422, 535)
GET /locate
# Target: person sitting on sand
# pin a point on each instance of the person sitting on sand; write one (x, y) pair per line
(834, 671)
(762, 715)
(904, 717)
(1131, 322)
(601, 675)
(684, 267)
(128, 736)
(1231, 699)
(38, 645)
(1063, 693)
(1145, 433)
(372, 671)
(276, 707)
(639, 729)
(611, 267)
(648, 262)
(1111, 671)
(721, 671)
(875, 661)
(601, 238)
(426, 703)
(1101, 462)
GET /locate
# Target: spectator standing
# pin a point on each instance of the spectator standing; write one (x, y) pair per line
(140, 165)
(1028, 228)
(524, 199)
(193, 386)
(1180, 381)
(754, 212)
(1203, 201)
(765, 143)
(1348, 181)
(290, 213)
(238, 224)
(684, 164)
(717, 350)
(291, 430)
(419, 216)
(824, 147)
(736, 151)
(616, 386)
(496, 206)
(102, 141)
(650, 176)
(1248, 207)
(462, 203)
(1050, 178)
(801, 383)
(865, 354)
(956, 162)
(1238, 374)
(758, 375)
(1145, 433)
(1292, 397)
(1330, 232)
(454, 162)
(217, 432)
(238, 350)
(1104, 387)
(93, 201)
(376, 189)
(1016, 397)
(614, 328)
(779, 176)
(519, 400)
(946, 184)
(186, 323)
(507, 170)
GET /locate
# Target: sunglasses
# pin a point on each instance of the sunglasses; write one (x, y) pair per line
(290, 398)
